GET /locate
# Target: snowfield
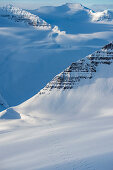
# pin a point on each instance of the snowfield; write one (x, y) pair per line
(63, 129)
(85, 144)
(56, 109)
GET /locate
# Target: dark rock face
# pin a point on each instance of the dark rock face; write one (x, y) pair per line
(108, 47)
(81, 70)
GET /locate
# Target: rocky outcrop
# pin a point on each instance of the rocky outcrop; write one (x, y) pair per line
(20, 15)
(81, 70)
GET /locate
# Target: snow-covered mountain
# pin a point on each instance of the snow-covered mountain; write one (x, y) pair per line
(64, 128)
(20, 15)
(68, 125)
(73, 10)
(34, 56)
(82, 75)
(83, 69)
(106, 15)
(68, 8)
(73, 18)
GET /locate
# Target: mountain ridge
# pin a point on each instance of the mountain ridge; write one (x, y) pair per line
(73, 8)
(20, 15)
(83, 69)
(27, 61)
(78, 75)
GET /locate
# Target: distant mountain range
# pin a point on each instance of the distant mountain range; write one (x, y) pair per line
(72, 10)
(72, 17)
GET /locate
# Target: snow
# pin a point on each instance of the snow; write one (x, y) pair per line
(34, 57)
(69, 133)
(70, 16)
(18, 15)
(56, 129)
(102, 16)
(63, 129)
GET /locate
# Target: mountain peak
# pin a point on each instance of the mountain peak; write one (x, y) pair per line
(72, 8)
(75, 6)
(106, 15)
(108, 46)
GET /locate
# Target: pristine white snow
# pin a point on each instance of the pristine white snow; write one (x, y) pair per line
(79, 144)
(106, 15)
(58, 129)
(63, 129)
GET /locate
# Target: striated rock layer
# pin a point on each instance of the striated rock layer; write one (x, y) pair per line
(20, 15)
(81, 70)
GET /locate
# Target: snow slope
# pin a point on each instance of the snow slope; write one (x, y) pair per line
(64, 93)
(30, 57)
(65, 129)
(69, 124)
(87, 73)
(106, 15)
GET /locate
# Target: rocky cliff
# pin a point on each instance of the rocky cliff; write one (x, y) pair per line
(81, 70)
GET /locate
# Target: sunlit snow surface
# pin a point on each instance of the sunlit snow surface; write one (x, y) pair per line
(59, 129)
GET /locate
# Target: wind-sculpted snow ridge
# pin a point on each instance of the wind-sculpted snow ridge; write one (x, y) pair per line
(83, 69)
(20, 15)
